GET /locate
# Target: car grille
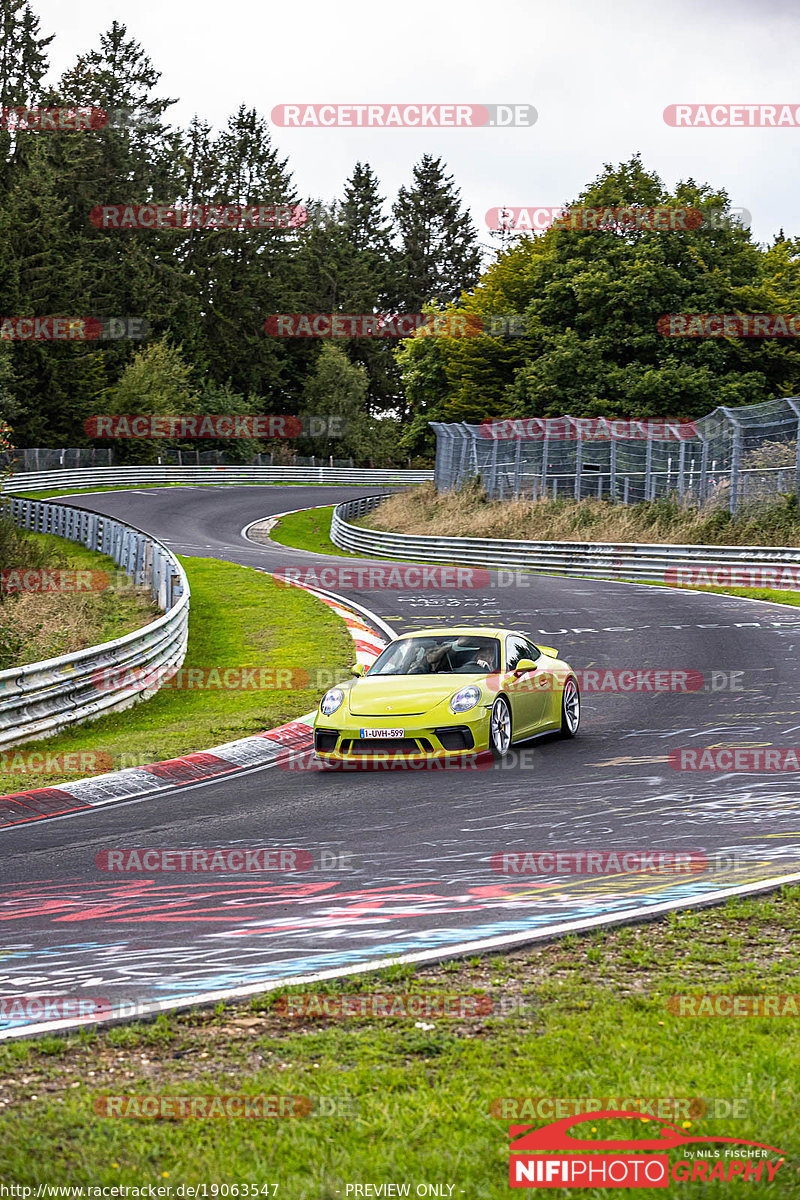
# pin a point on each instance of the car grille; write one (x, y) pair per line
(387, 745)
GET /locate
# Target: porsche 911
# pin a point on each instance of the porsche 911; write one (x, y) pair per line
(440, 693)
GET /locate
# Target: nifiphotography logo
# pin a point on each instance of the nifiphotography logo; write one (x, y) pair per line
(578, 1162)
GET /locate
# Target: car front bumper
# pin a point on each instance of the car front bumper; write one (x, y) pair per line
(463, 735)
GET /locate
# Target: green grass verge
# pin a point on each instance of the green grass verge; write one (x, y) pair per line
(309, 529)
(775, 597)
(239, 617)
(586, 1016)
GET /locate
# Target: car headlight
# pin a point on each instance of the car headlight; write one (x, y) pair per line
(465, 699)
(331, 701)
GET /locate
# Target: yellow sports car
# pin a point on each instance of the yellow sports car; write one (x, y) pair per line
(442, 693)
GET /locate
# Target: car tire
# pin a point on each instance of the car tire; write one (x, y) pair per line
(570, 708)
(500, 728)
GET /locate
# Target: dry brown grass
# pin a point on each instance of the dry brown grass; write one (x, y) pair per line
(38, 626)
(469, 513)
(55, 623)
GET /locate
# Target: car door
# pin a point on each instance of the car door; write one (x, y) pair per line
(528, 701)
(550, 683)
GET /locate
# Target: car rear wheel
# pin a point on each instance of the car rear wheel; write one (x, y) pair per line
(570, 709)
(500, 727)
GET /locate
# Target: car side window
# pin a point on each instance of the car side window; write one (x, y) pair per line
(516, 648)
(532, 651)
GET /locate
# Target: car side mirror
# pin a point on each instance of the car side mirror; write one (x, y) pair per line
(524, 665)
(357, 669)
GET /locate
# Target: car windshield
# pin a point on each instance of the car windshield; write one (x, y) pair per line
(466, 654)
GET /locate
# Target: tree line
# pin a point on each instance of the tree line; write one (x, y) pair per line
(205, 292)
(585, 303)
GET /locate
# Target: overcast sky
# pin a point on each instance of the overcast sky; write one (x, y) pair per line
(598, 74)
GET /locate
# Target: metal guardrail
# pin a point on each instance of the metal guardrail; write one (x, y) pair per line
(627, 560)
(43, 698)
(91, 477)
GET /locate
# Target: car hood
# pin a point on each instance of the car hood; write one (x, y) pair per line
(403, 695)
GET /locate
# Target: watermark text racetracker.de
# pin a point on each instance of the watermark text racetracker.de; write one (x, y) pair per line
(782, 577)
(729, 325)
(234, 860)
(198, 216)
(615, 861)
(213, 425)
(395, 325)
(72, 580)
(663, 1108)
(201, 679)
(746, 759)
(536, 218)
(586, 429)
(732, 116)
(72, 329)
(403, 116)
(46, 762)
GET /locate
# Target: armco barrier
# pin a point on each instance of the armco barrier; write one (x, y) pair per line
(94, 477)
(618, 561)
(42, 698)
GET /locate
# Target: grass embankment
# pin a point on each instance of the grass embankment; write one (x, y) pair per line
(412, 1101)
(309, 529)
(469, 513)
(39, 625)
(239, 618)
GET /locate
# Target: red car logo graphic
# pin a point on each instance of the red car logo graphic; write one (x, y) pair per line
(527, 1139)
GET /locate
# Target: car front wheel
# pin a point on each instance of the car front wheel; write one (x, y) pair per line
(570, 709)
(500, 727)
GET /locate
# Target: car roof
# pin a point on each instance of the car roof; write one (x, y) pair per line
(480, 630)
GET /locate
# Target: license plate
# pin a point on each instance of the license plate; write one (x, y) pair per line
(383, 733)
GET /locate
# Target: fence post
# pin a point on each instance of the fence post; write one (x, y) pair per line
(517, 460)
(736, 459)
(578, 463)
(795, 407)
(493, 469)
(704, 472)
(648, 467)
(466, 434)
(545, 457)
(681, 466)
(612, 482)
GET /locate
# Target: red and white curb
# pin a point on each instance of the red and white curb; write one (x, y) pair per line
(261, 750)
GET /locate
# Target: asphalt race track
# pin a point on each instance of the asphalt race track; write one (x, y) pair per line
(414, 876)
